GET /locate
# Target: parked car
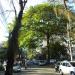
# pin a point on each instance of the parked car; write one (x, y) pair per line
(66, 67)
(16, 67)
(42, 62)
(29, 62)
(52, 61)
(35, 62)
(57, 64)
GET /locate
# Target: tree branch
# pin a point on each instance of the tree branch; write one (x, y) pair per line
(14, 8)
(25, 1)
(65, 3)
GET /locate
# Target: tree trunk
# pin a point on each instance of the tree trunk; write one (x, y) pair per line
(48, 59)
(13, 41)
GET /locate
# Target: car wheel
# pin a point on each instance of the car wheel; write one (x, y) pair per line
(72, 73)
(61, 73)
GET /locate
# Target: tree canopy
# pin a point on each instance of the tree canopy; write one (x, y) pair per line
(42, 21)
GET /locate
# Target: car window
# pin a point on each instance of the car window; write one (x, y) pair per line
(66, 64)
(63, 64)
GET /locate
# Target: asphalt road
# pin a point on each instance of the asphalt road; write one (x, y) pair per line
(36, 71)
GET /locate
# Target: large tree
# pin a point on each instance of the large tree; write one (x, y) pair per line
(69, 14)
(43, 21)
(13, 38)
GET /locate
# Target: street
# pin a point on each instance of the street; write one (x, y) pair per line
(36, 71)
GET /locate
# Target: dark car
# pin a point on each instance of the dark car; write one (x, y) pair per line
(57, 66)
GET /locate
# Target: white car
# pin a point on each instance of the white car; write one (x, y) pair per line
(16, 67)
(66, 67)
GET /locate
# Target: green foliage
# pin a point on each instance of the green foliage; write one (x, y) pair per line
(41, 21)
(31, 53)
(38, 22)
(5, 44)
(28, 40)
(57, 50)
(11, 26)
(42, 18)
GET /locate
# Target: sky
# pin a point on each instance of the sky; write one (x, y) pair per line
(7, 17)
(71, 4)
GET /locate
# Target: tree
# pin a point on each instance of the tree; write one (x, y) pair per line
(69, 24)
(58, 51)
(28, 40)
(13, 38)
(69, 14)
(43, 21)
